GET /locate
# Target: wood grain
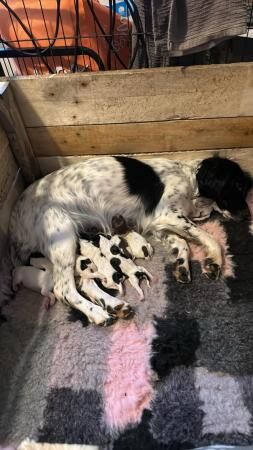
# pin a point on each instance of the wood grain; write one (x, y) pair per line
(136, 96)
(142, 137)
(20, 145)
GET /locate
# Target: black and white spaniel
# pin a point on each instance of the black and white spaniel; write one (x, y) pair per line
(159, 195)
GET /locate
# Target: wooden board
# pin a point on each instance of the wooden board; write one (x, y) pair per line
(142, 137)
(243, 156)
(8, 167)
(136, 96)
(13, 126)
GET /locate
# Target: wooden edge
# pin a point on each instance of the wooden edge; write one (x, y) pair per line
(20, 145)
(5, 211)
(243, 156)
(128, 73)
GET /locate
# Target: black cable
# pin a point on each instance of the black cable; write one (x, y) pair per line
(109, 59)
(140, 32)
(39, 52)
(29, 34)
(105, 36)
(77, 34)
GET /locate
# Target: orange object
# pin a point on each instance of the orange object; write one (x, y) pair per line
(40, 18)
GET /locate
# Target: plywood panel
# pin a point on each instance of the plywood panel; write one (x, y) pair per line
(142, 137)
(243, 156)
(136, 96)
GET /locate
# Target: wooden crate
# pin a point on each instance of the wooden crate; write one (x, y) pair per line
(183, 113)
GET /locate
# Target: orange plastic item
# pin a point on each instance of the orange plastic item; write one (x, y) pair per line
(42, 25)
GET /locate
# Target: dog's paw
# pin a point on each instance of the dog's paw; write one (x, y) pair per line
(100, 317)
(211, 269)
(122, 311)
(181, 271)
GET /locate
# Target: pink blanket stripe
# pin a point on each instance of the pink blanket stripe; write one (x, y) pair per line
(128, 387)
(218, 232)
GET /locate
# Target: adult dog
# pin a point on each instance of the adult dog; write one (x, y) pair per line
(160, 195)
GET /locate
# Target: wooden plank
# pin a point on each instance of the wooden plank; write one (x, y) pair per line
(12, 124)
(243, 156)
(142, 137)
(8, 167)
(16, 187)
(136, 96)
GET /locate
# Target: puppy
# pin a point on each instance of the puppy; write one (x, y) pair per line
(125, 266)
(38, 280)
(112, 278)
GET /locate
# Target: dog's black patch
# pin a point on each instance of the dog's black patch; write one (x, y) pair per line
(117, 277)
(115, 262)
(145, 251)
(107, 236)
(141, 275)
(175, 251)
(142, 181)
(180, 261)
(85, 263)
(115, 250)
(123, 246)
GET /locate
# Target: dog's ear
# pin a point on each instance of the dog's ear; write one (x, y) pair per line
(223, 181)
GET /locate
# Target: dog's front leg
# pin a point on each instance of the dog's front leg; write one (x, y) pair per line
(184, 227)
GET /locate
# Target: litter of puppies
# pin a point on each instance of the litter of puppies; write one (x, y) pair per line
(105, 262)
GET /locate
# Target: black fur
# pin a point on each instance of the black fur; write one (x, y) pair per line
(123, 246)
(84, 263)
(117, 277)
(225, 182)
(119, 225)
(145, 251)
(115, 250)
(142, 181)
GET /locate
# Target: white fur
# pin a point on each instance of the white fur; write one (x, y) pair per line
(35, 279)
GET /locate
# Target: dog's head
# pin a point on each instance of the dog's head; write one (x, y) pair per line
(223, 181)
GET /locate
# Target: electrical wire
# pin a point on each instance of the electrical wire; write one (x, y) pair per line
(85, 50)
(39, 51)
(104, 34)
(77, 34)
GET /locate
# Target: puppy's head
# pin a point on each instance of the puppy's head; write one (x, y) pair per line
(119, 225)
(223, 181)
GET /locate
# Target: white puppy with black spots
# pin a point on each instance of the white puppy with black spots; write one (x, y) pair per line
(157, 193)
(126, 266)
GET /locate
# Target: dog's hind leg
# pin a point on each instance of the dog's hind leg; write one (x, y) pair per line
(58, 238)
(179, 256)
